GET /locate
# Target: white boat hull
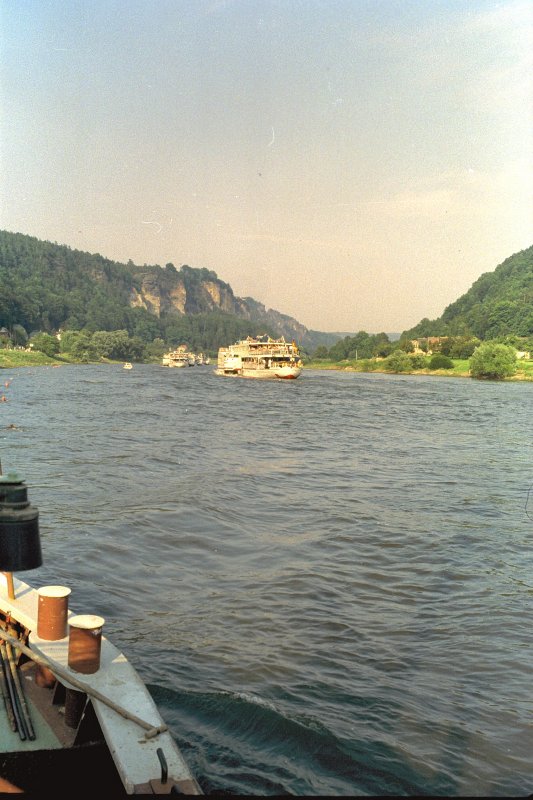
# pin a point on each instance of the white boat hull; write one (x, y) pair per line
(275, 373)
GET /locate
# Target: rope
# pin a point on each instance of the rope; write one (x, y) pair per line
(150, 729)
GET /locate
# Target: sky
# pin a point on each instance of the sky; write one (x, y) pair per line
(355, 164)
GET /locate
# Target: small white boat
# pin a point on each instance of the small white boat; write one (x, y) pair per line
(127, 365)
(260, 357)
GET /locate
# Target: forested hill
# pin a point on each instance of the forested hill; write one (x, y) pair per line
(499, 303)
(46, 286)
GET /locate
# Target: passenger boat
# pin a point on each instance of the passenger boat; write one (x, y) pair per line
(77, 718)
(178, 358)
(260, 357)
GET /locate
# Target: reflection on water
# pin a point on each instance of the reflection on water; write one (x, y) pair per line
(326, 583)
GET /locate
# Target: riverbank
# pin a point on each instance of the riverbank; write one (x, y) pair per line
(460, 368)
(11, 359)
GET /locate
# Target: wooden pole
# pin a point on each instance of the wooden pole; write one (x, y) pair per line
(10, 585)
(150, 729)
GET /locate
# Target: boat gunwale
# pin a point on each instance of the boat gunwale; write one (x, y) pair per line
(135, 756)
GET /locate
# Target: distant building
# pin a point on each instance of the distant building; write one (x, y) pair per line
(426, 344)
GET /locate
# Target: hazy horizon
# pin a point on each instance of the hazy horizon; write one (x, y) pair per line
(356, 165)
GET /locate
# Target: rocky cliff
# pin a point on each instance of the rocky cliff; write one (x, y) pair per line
(47, 286)
(196, 291)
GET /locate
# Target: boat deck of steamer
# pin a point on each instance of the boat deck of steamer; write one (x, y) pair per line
(135, 756)
(45, 738)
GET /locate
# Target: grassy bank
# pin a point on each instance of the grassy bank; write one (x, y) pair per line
(10, 359)
(460, 368)
(20, 358)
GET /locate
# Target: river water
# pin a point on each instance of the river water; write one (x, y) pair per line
(327, 584)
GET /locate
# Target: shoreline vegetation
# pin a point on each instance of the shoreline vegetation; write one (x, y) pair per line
(11, 359)
(460, 369)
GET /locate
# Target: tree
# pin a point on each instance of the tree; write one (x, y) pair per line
(47, 344)
(321, 352)
(19, 335)
(382, 349)
(119, 345)
(493, 361)
(418, 361)
(143, 324)
(406, 345)
(463, 346)
(78, 343)
(154, 350)
(398, 361)
(69, 340)
(103, 342)
(440, 361)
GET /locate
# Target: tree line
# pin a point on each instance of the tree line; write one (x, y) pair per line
(364, 346)
(494, 359)
(46, 287)
(199, 333)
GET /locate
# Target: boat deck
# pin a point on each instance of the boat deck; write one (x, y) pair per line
(45, 738)
(134, 753)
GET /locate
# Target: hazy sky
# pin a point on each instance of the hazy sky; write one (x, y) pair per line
(356, 164)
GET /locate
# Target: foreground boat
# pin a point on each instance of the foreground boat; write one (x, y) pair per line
(260, 357)
(66, 728)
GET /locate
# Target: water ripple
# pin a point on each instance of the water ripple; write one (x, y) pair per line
(327, 584)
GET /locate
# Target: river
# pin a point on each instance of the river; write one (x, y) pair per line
(327, 583)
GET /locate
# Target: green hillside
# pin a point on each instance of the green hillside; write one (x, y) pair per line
(498, 304)
(46, 287)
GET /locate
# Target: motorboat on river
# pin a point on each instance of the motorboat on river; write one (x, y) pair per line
(260, 357)
(75, 717)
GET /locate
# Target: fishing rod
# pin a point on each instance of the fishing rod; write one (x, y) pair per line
(7, 698)
(20, 694)
(12, 693)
